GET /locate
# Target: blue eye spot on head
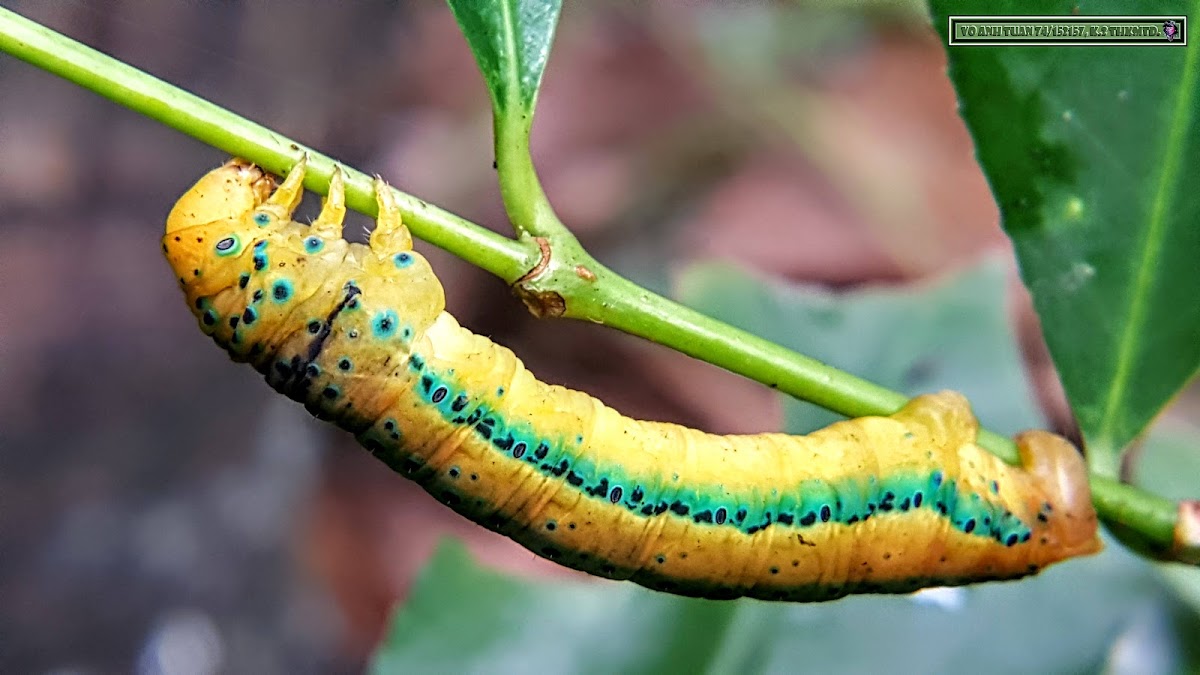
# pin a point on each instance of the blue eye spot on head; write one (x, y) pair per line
(384, 323)
(313, 244)
(281, 290)
(228, 246)
(402, 260)
(262, 219)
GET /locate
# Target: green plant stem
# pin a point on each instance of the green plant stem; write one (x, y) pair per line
(200, 119)
(607, 298)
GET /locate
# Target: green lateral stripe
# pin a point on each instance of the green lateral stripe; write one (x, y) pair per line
(847, 501)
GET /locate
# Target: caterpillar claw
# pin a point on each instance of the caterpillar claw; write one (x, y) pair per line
(390, 235)
(286, 198)
(333, 209)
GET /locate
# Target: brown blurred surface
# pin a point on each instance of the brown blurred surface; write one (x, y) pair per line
(158, 499)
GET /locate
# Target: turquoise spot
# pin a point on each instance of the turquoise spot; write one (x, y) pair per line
(281, 291)
(262, 219)
(384, 323)
(402, 260)
(313, 244)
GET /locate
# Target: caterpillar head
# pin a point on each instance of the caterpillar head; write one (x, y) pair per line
(212, 226)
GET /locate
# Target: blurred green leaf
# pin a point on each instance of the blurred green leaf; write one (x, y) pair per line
(1090, 152)
(511, 41)
(1072, 618)
(1168, 464)
(952, 335)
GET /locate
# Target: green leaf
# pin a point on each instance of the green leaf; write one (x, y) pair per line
(1091, 153)
(953, 335)
(461, 618)
(511, 41)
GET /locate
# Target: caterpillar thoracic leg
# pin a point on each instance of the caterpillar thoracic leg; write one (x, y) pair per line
(358, 334)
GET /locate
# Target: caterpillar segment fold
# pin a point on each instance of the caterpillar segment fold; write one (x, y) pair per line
(359, 335)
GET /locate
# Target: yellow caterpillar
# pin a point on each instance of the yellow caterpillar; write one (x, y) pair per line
(358, 334)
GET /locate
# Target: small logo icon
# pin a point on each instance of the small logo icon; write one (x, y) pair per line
(1170, 30)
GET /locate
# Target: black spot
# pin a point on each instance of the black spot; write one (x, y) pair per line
(941, 507)
(258, 296)
(474, 476)
(969, 526)
(343, 363)
(519, 450)
(752, 529)
(886, 504)
(243, 280)
(439, 395)
(209, 318)
(917, 499)
(679, 508)
(647, 510)
(705, 516)
(485, 432)
(426, 383)
(454, 472)
(1042, 517)
(574, 479)
(661, 559)
(995, 487)
(353, 304)
(661, 508)
(905, 504)
(826, 513)
(852, 520)
(474, 416)
(615, 495)
(1026, 536)
(314, 326)
(740, 515)
(561, 468)
(389, 425)
(774, 570)
(199, 303)
(937, 478)
(249, 316)
(1011, 541)
(786, 518)
(260, 261)
(571, 526)
(280, 291)
(329, 393)
(542, 450)
(416, 363)
(503, 443)
(459, 403)
(600, 489)
(550, 525)
(721, 514)
(637, 494)
(196, 273)
(233, 321)
(808, 518)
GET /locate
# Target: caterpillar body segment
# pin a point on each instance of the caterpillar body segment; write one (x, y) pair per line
(360, 336)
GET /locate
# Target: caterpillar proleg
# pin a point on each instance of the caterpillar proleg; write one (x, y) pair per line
(358, 333)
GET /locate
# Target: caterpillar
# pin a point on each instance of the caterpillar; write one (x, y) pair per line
(359, 335)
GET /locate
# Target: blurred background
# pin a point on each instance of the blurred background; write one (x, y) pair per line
(161, 510)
